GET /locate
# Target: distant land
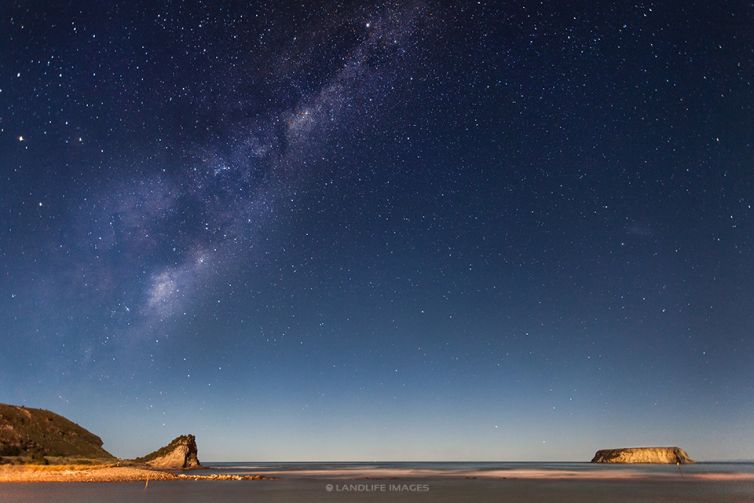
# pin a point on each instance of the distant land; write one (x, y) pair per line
(643, 455)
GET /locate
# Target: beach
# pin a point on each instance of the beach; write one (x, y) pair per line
(103, 473)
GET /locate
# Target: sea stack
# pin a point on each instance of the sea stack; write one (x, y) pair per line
(636, 455)
(180, 454)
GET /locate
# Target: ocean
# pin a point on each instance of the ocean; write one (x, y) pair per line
(421, 481)
(448, 468)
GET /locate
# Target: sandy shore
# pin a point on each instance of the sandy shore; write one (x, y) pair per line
(101, 473)
(79, 473)
(113, 473)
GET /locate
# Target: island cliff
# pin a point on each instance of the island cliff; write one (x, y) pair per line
(636, 455)
(180, 454)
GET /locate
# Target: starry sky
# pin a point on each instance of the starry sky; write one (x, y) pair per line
(404, 230)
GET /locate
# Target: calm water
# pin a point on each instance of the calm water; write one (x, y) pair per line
(294, 486)
(293, 467)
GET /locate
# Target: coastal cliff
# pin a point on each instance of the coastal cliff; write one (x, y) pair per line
(636, 455)
(38, 436)
(180, 454)
(32, 435)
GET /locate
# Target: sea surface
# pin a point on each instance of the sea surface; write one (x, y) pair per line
(448, 468)
(420, 482)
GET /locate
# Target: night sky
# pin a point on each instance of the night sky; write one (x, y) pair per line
(394, 231)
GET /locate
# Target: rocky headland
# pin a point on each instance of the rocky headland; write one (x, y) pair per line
(37, 445)
(29, 435)
(180, 454)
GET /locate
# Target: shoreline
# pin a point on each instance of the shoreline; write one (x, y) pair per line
(114, 473)
(15, 474)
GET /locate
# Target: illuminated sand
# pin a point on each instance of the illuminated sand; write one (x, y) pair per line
(87, 473)
(78, 473)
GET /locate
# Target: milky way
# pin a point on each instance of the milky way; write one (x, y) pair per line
(212, 208)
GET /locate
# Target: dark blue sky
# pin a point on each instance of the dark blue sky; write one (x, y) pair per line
(381, 230)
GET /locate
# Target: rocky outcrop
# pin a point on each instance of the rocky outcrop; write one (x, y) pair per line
(180, 454)
(35, 434)
(636, 455)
